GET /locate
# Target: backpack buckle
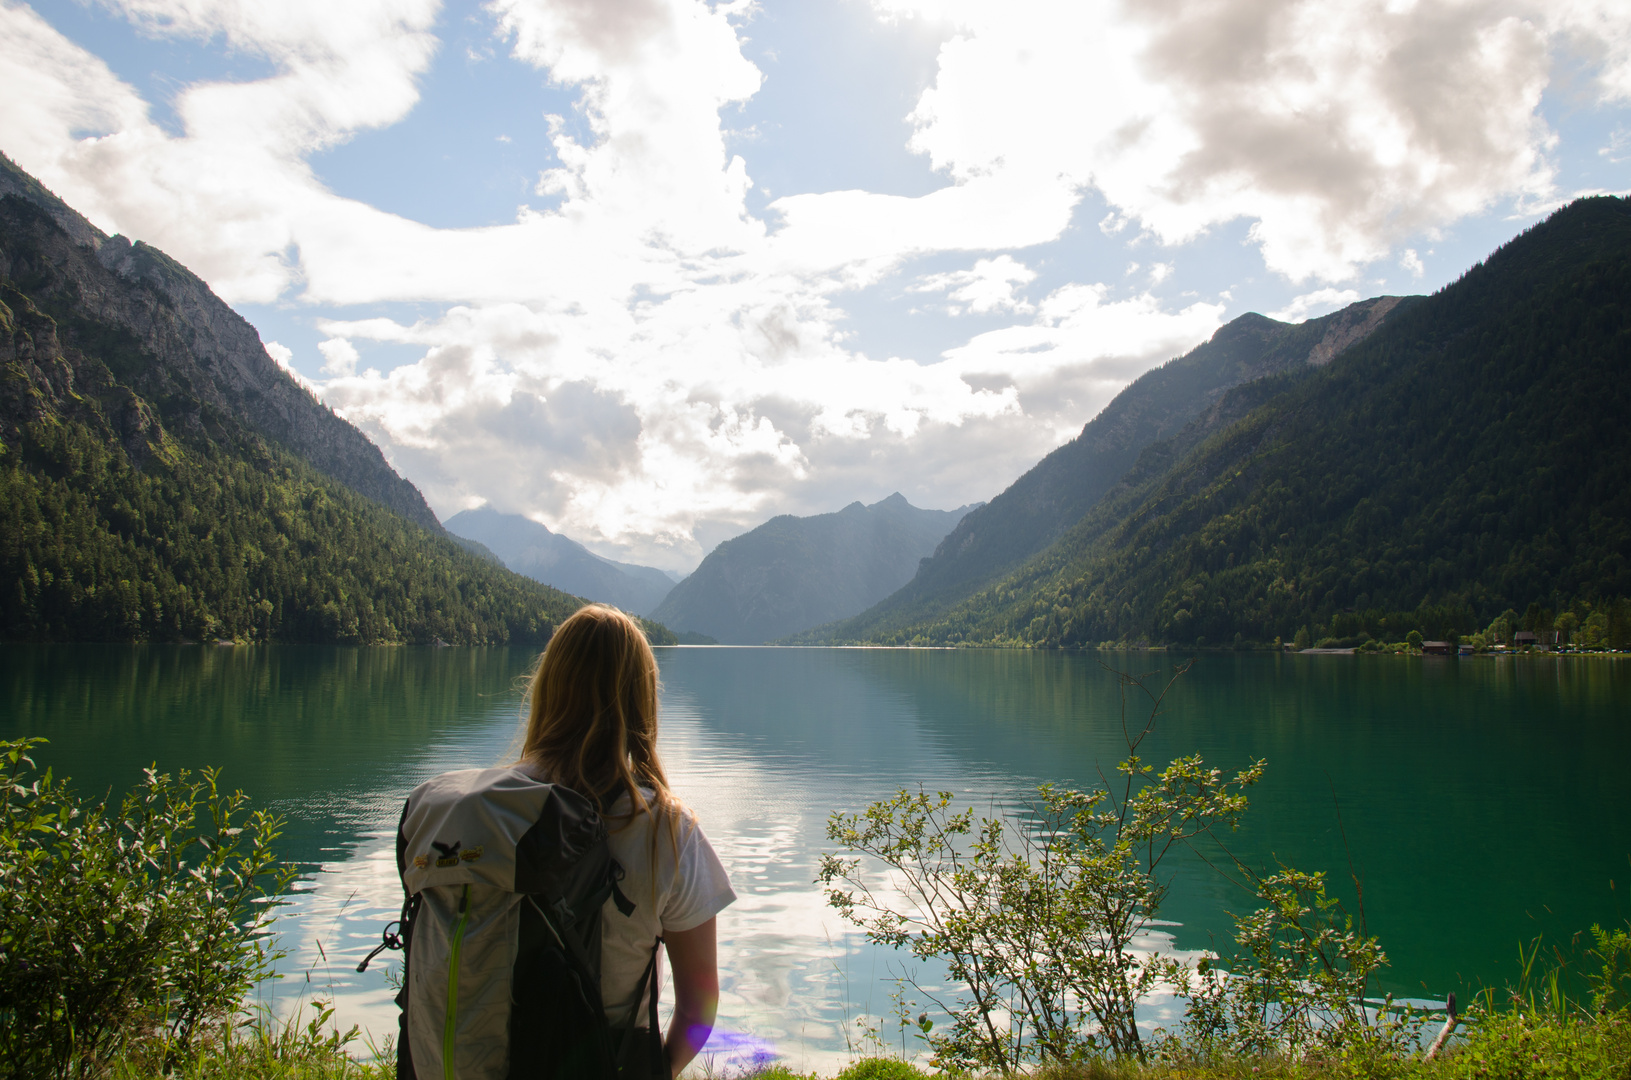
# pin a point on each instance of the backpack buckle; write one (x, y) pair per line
(391, 940)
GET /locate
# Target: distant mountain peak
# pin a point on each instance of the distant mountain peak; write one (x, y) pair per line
(529, 548)
(793, 573)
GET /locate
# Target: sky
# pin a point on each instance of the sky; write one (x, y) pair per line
(651, 272)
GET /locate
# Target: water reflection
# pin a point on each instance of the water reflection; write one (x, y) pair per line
(1474, 793)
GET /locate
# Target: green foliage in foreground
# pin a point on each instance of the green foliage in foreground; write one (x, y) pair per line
(124, 921)
(1036, 914)
(261, 1049)
(1504, 1046)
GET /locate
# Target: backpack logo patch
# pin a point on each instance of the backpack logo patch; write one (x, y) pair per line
(448, 855)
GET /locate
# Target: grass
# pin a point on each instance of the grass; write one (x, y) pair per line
(261, 1048)
(1504, 1046)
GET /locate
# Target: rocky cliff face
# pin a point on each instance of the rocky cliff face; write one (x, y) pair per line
(169, 340)
(39, 381)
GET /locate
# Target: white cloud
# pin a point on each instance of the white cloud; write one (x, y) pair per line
(1335, 126)
(988, 287)
(1412, 262)
(339, 356)
(233, 197)
(649, 361)
(1318, 302)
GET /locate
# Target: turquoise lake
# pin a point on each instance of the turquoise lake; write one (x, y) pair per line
(1484, 800)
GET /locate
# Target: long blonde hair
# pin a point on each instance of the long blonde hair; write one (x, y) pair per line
(592, 713)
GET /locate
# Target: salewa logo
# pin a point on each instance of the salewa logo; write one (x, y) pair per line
(448, 855)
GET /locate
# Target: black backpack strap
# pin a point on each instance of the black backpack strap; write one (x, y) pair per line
(654, 1033)
(651, 1055)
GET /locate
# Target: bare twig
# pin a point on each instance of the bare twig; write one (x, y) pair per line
(1450, 1020)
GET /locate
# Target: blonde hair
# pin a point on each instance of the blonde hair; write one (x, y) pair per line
(592, 713)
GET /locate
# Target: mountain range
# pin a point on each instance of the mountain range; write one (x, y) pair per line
(530, 548)
(1054, 494)
(792, 573)
(1428, 463)
(163, 479)
(1449, 461)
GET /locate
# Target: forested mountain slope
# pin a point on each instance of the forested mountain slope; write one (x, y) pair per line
(792, 573)
(1470, 457)
(141, 503)
(1041, 505)
(202, 362)
(529, 548)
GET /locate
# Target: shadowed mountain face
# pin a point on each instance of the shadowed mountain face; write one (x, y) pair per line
(529, 548)
(198, 362)
(1470, 456)
(793, 573)
(1037, 508)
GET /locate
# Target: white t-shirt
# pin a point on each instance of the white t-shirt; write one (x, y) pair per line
(688, 888)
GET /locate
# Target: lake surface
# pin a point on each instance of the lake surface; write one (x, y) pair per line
(1484, 800)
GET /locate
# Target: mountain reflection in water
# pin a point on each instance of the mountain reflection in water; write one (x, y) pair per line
(1475, 793)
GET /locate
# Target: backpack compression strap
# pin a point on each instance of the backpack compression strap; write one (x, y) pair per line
(654, 1055)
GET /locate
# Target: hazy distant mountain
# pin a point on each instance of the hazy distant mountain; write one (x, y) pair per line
(1055, 493)
(531, 549)
(793, 573)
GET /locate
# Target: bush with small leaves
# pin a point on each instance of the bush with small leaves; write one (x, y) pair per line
(139, 918)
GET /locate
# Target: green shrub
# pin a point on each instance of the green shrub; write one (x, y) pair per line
(263, 1048)
(1522, 1046)
(1034, 912)
(122, 921)
(882, 1068)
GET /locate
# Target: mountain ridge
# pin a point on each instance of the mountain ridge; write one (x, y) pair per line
(532, 549)
(1055, 493)
(1469, 456)
(792, 573)
(202, 349)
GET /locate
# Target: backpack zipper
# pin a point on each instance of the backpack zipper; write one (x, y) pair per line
(450, 1023)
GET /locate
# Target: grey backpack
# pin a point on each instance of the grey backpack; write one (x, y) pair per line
(504, 879)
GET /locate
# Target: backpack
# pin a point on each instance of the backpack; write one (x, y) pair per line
(504, 879)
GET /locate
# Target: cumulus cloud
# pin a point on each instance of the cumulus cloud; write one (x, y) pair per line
(987, 287)
(1335, 127)
(649, 363)
(339, 356)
